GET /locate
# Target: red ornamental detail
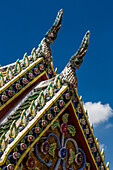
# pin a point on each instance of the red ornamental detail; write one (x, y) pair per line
(10, 93)
(37, 129)
(24, 80)
(4, 98)
(36, 70)
(30, 138)
(67, 96)
(83, 121)
(79, 110)
(64, 128)
(9, 167)
(55, 109)
(15, 155)
(30, 75)
(49, 71)
(41, 67)
(102, 167)
(90, 140)
(98, 158)
(18, 86)
(75, 99)
(43, 122)
(31, 163)
(49, 116)
(61, 103)
(87, 131)
(22, 146)
(94, 149)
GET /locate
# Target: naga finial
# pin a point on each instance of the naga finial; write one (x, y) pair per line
(77, 59)
(69, 73)
(51, 35)
(44, 49)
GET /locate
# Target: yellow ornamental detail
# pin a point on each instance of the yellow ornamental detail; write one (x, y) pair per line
(50, 90)
(107, 166)
(57, 82)
(102, 153)
(23, 118)
(26, 60)
(13, 130)
(41, 99)
(1, 79)
(33, 109)
(33, 54)
(2, 143)
(9, 73)
(17, 66)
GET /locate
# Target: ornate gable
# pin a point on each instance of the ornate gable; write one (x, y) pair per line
(49, 128)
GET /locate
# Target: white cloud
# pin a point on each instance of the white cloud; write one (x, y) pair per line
(98, 112)
(109, 125)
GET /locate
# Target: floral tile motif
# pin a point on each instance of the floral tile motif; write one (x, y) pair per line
(22, 81)
(58, 148)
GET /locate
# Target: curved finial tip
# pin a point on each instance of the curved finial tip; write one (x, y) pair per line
(77, 59)
(53, 31)
(88, 33)
(61, 10)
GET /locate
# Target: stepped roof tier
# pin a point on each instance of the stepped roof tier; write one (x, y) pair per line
(43, 124)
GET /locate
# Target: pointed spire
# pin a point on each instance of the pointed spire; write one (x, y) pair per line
(53, 31)
(77, 59)
(26, 60)
(18, 66)
(33, 54)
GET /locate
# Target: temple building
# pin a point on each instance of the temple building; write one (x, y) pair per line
(43, 124)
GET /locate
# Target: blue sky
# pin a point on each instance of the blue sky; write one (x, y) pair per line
(24, 23)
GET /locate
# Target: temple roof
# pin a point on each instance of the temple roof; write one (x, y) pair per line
(56, 97)
(33, 96)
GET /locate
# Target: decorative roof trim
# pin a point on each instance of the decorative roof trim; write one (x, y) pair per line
(81, 105)
(48, 126)
(35, 120)
(84, 135)
(32, 123)
(17, 94)
(20, 74)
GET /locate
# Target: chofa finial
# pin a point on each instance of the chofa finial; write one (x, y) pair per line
(69, 73)
(53, 31)
(77, 59)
